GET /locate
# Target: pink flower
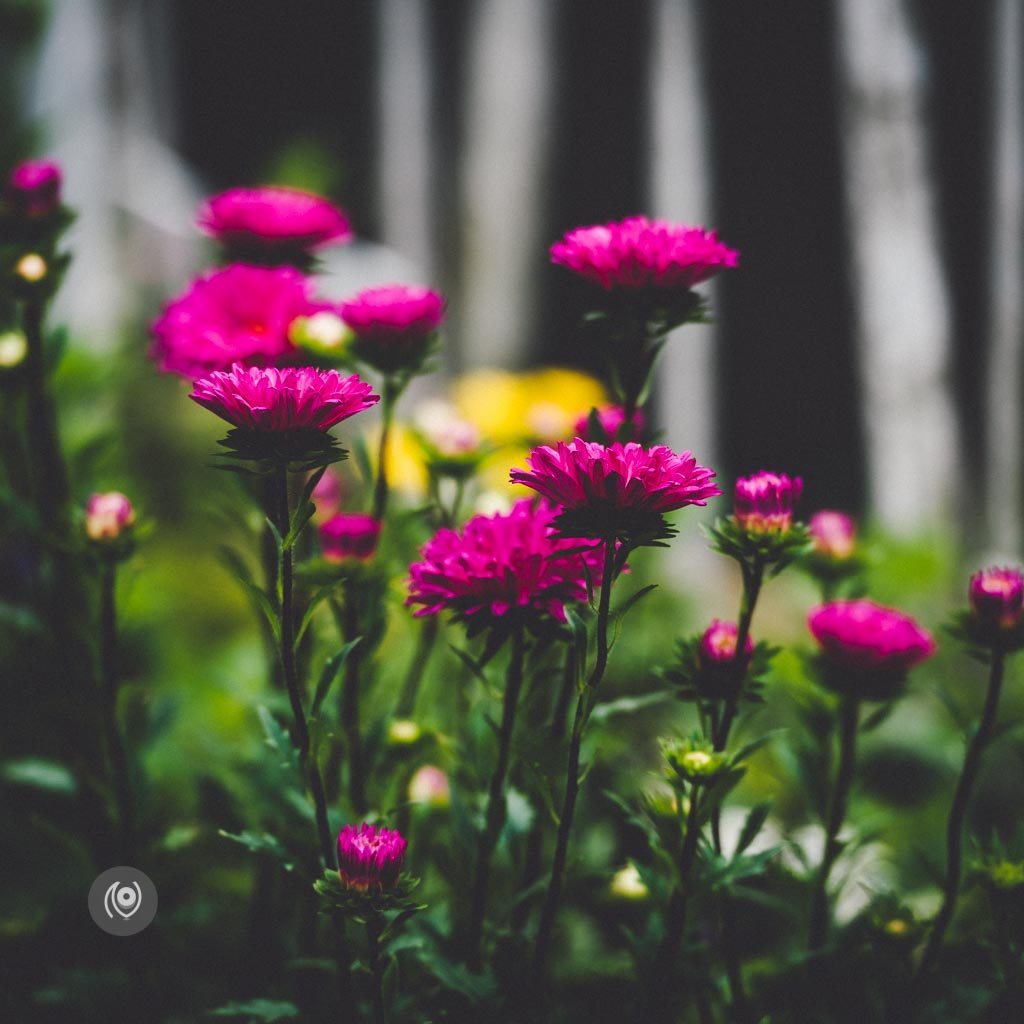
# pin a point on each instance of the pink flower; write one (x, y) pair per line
(611, 418)
(430, 786)
(764, 502)
(240, 314)
(349, 535)
(33, 187)
(500, 566)
(273, 217)
(718, 644)
(393, 325)
(997, 597)
(615, 485)
(394, 314)
(834, 535)
(370, 857)
(638, 253)
(289, 399)
(107, 516)
(327, 495)
(862, 637)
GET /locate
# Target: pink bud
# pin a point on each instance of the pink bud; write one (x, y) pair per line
(349, 535)
(997, 597)
(718, 644)
(370, 857)
(764, 502)
(834, 535)
(33, 187)
(107, 516)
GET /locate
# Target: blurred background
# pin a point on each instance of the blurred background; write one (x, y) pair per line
(865, 157)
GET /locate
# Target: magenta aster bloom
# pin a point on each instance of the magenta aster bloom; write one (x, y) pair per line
(638, 253)
(503, 567)
(997, 597)
(764, 502)
(718, 644)
(611, 418)
(33, 187)
(370, 857)
(240, 314)
(269, 400)
(108, 515)
(617, 489)
(349, 535)
(393, 324)
(870, 647)
(834, 535)
(273, 217)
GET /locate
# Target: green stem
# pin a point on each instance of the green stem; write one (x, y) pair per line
(958, 812)
(849, 709)
(662, 998)
(350, 694)
(495, 817)
(584, 705)
(417, 669)
(389, 397)
(308, 763)
(374, 927)
(120, 771)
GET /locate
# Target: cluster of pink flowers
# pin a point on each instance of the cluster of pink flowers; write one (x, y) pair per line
(864, 637)
(764, 502)
(370, 857)
(718, 644)
(611, 418)
(240, 314)
(349, 535)
(273, 217)
(609, 480)
(997, 597)
(33, 188)
(503, 565)
(638, 253)
(287, 399)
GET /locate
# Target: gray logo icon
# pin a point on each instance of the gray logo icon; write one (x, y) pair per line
(123, 901)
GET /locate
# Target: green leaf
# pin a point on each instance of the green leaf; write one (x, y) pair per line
(261, 842)
(263, 1011)
(635, 599)
(278, 739)
(578, 628)
(315, 601)
(330, 672)
(752, 826)
(40, 774)
(628, 705)
(258, 597)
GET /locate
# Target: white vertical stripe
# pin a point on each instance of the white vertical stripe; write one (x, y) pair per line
(903, 313)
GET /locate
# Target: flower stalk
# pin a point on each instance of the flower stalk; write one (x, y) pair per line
(374, 927)
(849, 711)
(495, 815)
(584, 706)
(282, 518)
(390, 391)
(958, 812)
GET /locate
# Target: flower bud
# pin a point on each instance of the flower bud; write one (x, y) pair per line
(997, 597)
(429, 785)
(834, 535)
(627, 884)
(764, 502)
(13, 349)
(327, 496)
(33, 188)
(611, 419)
(718, 644)
(403, 731)
(108, 516)
(370, 857)
(693, 761)
(323, 333)
(31, 268)
(350, 535)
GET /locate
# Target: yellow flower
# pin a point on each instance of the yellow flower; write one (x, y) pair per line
(494, 401)
(557, 399)
(405, 469)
